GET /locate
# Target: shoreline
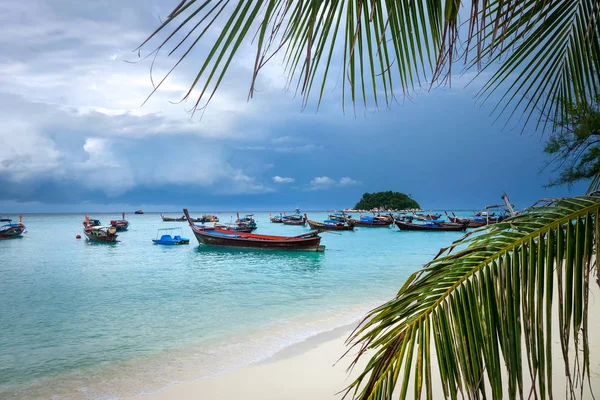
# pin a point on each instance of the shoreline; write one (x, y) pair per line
(333, 334)
(316, 359)
(312, 368)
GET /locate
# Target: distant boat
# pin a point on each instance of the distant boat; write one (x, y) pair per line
(5, 220)
(104, 234)
(91, 222)
(294, 221)
(121, 224)
(168, 219)
(278, 219)
(339, 216)
(430, 226)
(486, 216)
(139, 212)
(170, 236)
(205, 218)
(309, 241)
(330, 225)
(10, 231)
(373, 222)
(427, 217)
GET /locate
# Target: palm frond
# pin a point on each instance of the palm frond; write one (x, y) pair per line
(549, 54)
(548, 50)
(485, 301)
(381, 44)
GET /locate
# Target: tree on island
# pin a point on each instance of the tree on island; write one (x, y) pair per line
(483, 305)
(387, 200)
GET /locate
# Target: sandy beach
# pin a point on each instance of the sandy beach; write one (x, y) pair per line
(311, 370)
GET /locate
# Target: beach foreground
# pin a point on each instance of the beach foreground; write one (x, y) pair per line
(311, 370)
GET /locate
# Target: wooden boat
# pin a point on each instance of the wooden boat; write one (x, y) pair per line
(121, 224)
(309, 241)
(104, 234)
(205, 218)
(374, 222)
(428, 217)
(294, 221)
(297, 217)
(170, 236)
(91, 222)
(233, 227)
(10, 231)
(278, 219)
(139, 212)
(6, 220)
(169, 219)
(330, 225)
(475, 222)
(339, 216)
(384, 217)
(430, 226)
(245, 224)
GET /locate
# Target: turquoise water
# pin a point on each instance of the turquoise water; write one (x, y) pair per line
(84, 320)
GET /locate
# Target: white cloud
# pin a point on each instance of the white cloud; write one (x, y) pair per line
(325, 182)
(347, 181)
(322, 181)
(280, 179)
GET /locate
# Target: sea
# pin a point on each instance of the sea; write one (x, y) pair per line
(82, 320)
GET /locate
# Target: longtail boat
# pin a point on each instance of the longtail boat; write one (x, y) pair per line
(233, 227)
(486, 216)
(278, 219)
(330, 225)
(475, 222)
(121, 224)
(245, 224)
(91, 222)
(205, 218)
(339, 216)
(430, 226)
(309, 241)
(375, 222)
(11, 230)
(169, 219)
(104, 234)
(297, 217)
(427, 217)
(301, 222)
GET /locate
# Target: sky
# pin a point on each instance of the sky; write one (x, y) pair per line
(76, 135)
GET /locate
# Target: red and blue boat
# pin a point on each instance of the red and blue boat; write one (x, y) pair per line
(215, 236)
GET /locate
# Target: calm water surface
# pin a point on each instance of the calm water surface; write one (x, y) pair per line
(99, 321)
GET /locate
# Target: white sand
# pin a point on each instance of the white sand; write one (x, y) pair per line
(307, 371)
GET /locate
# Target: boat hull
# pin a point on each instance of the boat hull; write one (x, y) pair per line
(120, 226)
(440, 228)
(311, 244)
(329, 227)
(293, 222)
(169, 219)
(309, 241)
(99, 238)
(12, 232)
(371, 224)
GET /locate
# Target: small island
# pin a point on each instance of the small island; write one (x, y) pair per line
(386, 200)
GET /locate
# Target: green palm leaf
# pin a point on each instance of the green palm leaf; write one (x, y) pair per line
(548, 51)
(482, 303)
